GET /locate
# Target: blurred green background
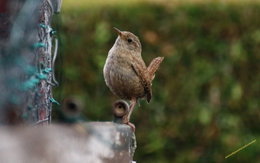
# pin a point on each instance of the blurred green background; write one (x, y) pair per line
(206, 94)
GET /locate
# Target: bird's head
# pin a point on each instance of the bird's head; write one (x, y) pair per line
(128, 40)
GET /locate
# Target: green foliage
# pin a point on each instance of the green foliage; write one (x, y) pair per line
(205, 95)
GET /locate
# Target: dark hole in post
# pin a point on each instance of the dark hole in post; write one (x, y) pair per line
(72, 106)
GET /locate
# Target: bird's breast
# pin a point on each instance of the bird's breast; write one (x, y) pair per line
(120, 77)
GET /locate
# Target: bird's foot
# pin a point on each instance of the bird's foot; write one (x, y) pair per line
(131, 125)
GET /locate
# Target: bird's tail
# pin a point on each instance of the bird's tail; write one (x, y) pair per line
(154, 65)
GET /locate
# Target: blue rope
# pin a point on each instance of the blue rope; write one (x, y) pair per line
(47, 70)
(54, 101)
(39, 45)
(43, 26)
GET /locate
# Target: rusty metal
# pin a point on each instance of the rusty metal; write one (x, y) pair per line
(27, 59)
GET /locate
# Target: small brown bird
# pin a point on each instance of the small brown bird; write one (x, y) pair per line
(125, 72)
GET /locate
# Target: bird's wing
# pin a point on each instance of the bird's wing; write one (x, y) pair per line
(143, 75)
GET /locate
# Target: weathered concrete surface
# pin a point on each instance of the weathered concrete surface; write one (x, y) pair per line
(94, 142)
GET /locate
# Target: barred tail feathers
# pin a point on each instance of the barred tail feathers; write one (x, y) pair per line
(154, 65)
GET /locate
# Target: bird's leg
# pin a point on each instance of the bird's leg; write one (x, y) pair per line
(132, 106)
(126, 119)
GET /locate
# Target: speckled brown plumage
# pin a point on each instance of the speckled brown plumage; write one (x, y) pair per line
(125, 72)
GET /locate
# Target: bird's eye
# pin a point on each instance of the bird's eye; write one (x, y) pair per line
(129, 40)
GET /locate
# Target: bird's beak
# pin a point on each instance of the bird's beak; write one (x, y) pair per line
(117, 31)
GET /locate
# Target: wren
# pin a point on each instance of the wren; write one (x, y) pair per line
(125, 72)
